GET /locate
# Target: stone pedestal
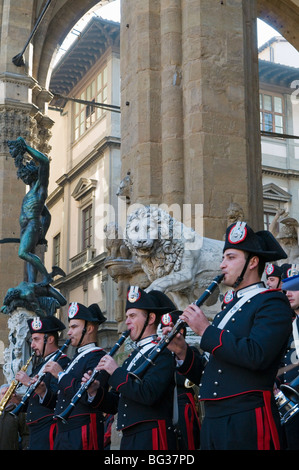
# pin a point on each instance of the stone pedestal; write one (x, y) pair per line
(18, 350)
(124, 272)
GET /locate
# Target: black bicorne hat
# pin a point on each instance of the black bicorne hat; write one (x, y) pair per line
(93, 313)
(273, 270)
(45, 325)
(240, 236)
(170, 317)
(153, 301)
(289, 270)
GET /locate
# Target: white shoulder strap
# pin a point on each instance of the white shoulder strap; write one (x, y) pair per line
(77, 358)
(238, 305)
(234, 309)
(296, 336)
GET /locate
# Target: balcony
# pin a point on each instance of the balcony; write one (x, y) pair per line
(82, 258)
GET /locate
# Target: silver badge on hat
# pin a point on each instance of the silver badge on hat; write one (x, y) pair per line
(166, 319)
(238, 233)
(73, 309)
(134, 294)
(293, 271)
(36, 324)
(269, 269)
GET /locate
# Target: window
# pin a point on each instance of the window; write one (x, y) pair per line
(87, 227)
(56, 250)
(268, 219)
(102, 80)
(87, 114)
(271, 113)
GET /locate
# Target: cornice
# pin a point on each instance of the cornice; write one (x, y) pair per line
(282, 173)
(15, 105)
(88, 160)
(54, 196)
(18, 78)
(96, 263)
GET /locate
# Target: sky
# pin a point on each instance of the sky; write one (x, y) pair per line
(111, 11)
(264, 32)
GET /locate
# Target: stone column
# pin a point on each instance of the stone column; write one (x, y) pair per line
(172, 126)
(213, 111)
(141, 98)
(222, 154)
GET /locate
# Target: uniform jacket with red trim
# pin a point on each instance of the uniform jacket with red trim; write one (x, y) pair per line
(245, 355)
(36, 413)
(69, 384)
(145, 401)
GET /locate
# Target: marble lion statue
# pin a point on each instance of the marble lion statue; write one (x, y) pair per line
(175, 258)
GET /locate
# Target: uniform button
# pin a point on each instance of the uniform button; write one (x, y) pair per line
(233, 319)
(219, 371)
(215, 394)
(199, 396)
(216, 383)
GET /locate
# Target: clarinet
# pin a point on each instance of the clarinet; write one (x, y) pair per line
(66, 413)
(164, 342)
(31, 389)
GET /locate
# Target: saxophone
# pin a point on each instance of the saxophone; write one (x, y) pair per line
(11, 389)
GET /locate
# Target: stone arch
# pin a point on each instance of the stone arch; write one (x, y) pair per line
(283, 16)
(54, 33)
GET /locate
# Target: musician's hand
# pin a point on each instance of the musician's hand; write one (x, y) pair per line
(93, 387)
(22, 377)
(53, 368)
(275, 389)
(108, 364)
(196, 319)
(178, 344)
(41, 389)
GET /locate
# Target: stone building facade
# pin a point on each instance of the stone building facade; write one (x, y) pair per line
(83, 185)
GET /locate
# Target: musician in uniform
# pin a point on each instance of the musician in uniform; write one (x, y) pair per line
(84, 430)
(14, 433)
(289, 367)
(145, 406)
(185, 400)
(242, 348)
(44, 342)
(275, 274)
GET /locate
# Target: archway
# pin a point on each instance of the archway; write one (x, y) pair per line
(283, 16)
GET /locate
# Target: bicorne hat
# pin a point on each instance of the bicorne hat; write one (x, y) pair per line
(93, 313)
(45, 325)
(153, 301)
(263, 244)
(273, 270)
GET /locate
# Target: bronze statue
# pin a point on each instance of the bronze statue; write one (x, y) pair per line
(34, 218)
(34, 221)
